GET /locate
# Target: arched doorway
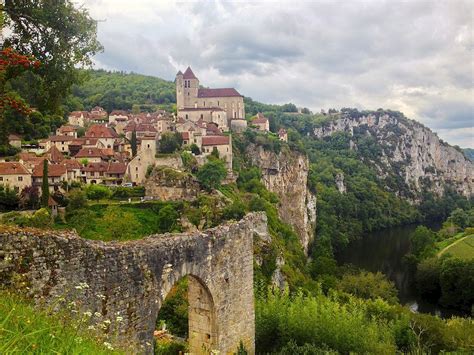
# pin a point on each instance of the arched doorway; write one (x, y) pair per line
(188, 300)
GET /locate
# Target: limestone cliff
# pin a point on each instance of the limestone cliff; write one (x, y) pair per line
(286, 175)
(407, 150)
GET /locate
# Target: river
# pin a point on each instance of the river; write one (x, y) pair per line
(383, 251)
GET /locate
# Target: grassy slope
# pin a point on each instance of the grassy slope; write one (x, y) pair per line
(462, 248)
(25, 330)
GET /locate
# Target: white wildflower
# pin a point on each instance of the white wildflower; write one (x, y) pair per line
(107, 321)
(119, 319)
(102, 297)
(88, 314)
(108, 345)
(97, 315)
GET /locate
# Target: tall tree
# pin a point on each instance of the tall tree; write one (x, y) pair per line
(45, 185)
(59, 35)
(133, 143)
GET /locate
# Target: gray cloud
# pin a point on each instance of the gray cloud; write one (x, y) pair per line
(411, 56)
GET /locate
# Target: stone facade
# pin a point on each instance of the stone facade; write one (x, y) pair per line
(133, 278)
(190, 96)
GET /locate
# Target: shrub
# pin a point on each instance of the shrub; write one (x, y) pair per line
(167, 219)
(97, 192)
(369, 285)
(77, 200)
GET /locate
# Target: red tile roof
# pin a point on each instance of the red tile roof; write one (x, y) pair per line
(79, 114)
(67, 128)
(215, 140)
(112, 168)
(71, 164)
(145, 128)
(260, 118)
(100, 131)
(188, 74)
(54, 170)
(225, 92)
(119, 113)
(54, 155)
(185, 135)
(92, 152)
(13, 168)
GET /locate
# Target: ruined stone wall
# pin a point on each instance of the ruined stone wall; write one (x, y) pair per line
(131, 279)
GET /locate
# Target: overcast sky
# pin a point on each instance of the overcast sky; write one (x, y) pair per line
(412, 56)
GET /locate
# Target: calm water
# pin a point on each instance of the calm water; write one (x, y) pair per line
(383, 251)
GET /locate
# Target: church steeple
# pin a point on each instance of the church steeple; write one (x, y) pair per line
(188, 74)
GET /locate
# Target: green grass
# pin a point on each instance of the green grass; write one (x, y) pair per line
(462, 249)
(26, 330)
(117, 221)
(441, 245)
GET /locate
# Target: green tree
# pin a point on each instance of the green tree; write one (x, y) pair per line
(45, 185)
(195, 149)
(8, 199)
(167, 219)
(170, 142)
(211, 174)
(59, 35)
(133, 143)
(422, 241)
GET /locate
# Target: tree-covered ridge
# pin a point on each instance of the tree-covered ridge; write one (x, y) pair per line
(116, 90)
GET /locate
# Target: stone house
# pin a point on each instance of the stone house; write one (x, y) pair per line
(15, 175)
(283, 135)
(78, 118)
(61, 143)
(93, 155)
(118, 115)
(223, 144)
(261, 122)
(108, 173)
(57, 173)
(105, 135)
(67, 130)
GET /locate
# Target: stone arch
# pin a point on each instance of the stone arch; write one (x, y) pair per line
(202, 323)
(134, 277)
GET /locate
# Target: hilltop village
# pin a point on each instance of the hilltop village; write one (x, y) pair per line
(119, 147)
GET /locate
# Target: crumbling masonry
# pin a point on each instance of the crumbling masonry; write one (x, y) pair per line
(130, 280)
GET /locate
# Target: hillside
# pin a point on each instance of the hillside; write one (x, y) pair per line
(120, 91)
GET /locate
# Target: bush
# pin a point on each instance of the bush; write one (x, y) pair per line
(235, 211)
(97, 192)
(41, 218)
(120, 192)
(369, 285)
(77, 200)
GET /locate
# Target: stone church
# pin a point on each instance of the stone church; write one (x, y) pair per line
(220, 106)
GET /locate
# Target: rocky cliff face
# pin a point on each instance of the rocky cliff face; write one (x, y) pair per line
(410, 150)
(286, 175)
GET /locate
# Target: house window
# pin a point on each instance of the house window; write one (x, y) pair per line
(204, 103)
(217, 102)
(136, 169)
(202, 116)
(20, 178)
(136, 176)
(186, 116)
(1, 178)
(195, 141)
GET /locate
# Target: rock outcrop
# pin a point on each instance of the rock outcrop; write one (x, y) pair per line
(409, 150)
(286, 174)
(169, 184)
